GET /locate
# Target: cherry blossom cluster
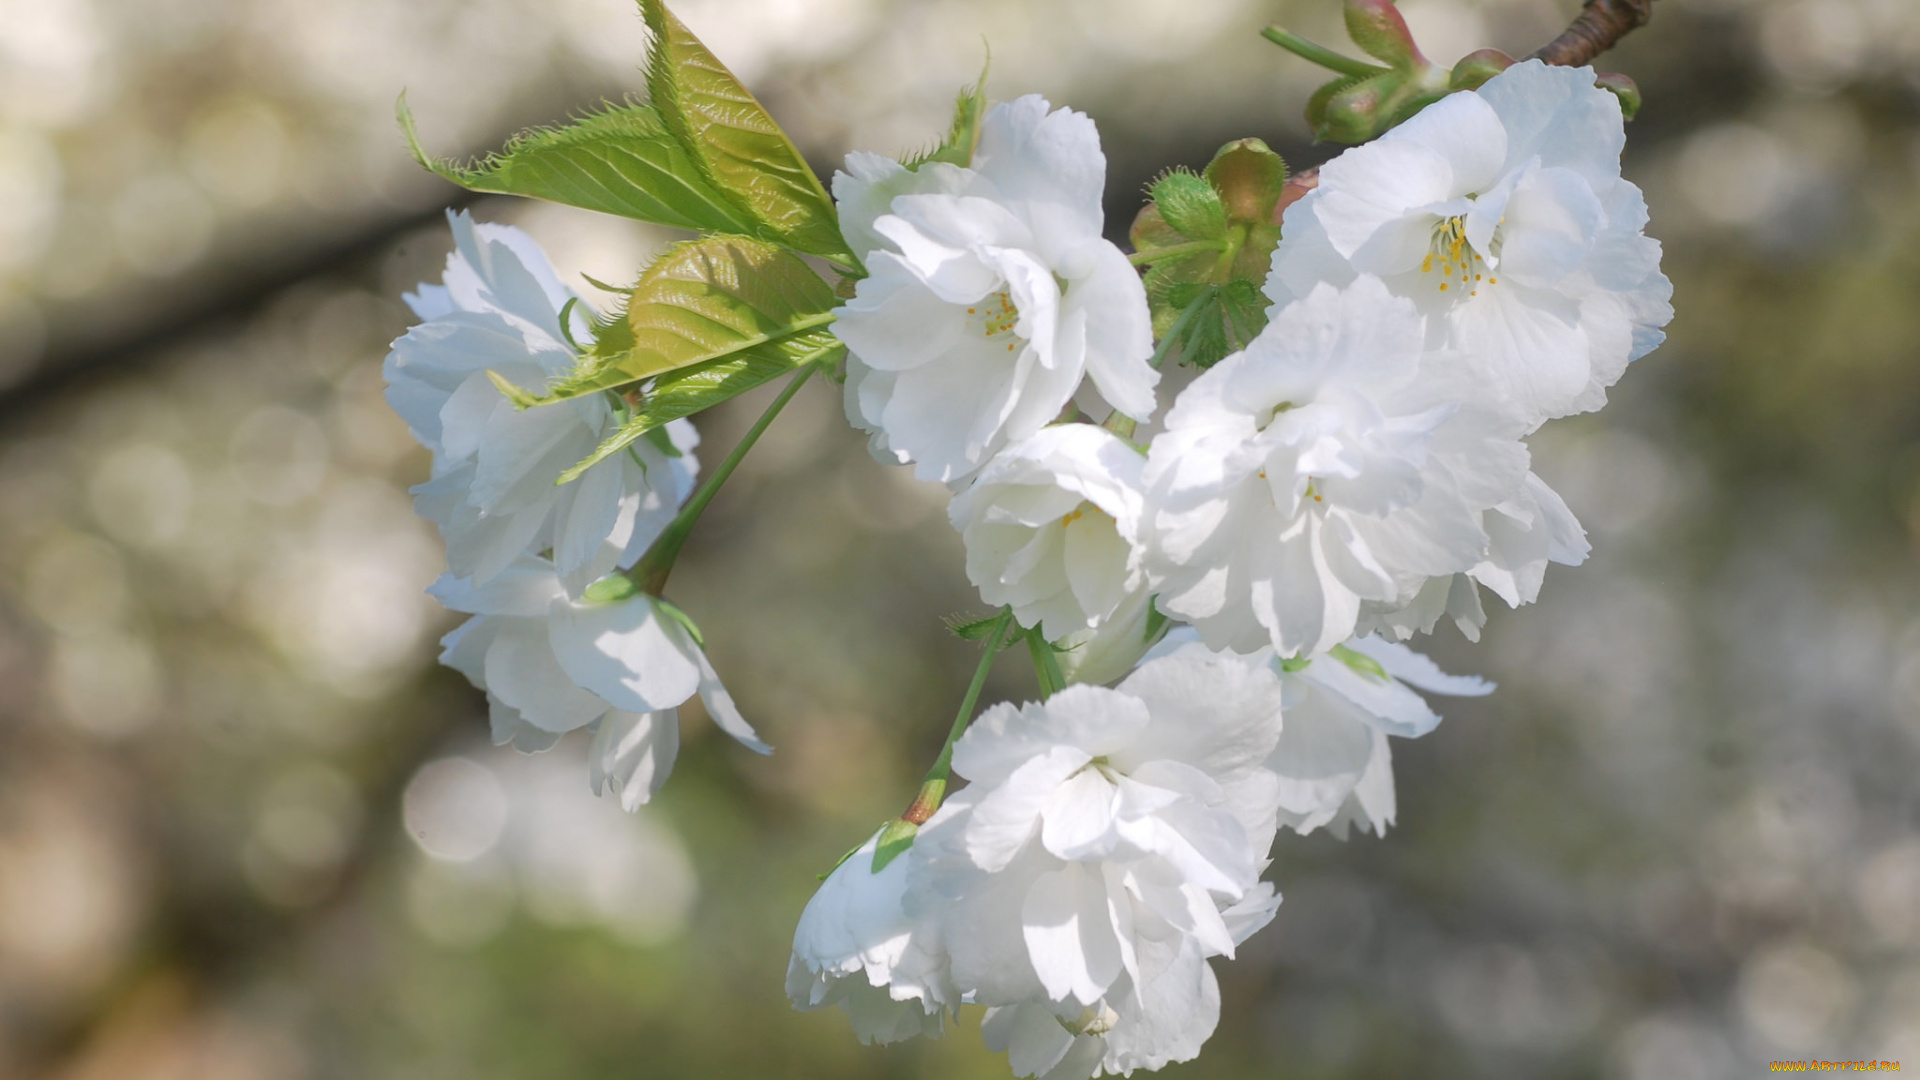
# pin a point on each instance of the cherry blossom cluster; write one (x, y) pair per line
(1217, 596)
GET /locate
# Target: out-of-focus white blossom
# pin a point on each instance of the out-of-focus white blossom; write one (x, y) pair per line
(991, 292)
(858, 947)
(551, 664)
(1048, 523)
(492, 492)
(1502, 214)
(1332, 463)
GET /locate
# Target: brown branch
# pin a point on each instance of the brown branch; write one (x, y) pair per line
(1599, 26)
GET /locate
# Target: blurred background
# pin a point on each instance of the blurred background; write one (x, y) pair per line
(248, 829)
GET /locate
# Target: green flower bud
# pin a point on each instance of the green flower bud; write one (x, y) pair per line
(1623, 88)
(1475, 68)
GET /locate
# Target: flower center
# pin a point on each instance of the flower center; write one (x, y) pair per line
(1096, 1019)
(1458, 263)
(996, 316)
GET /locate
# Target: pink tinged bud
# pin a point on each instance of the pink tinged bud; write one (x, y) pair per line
(1250, 178)
(1377, 27)
(1475, 68)
(1623, 88)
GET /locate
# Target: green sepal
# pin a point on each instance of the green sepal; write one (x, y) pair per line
(895, 838)
(963, 134)
(1207, 322)
(686, 621)
(1190, 205)
(620, 160)
(689, 390)
(1360, 662)
(702, 300)
(735, 145)
(611, 589)
(968, 628)
(1294, 664)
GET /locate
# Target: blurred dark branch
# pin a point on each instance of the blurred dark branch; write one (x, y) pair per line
(240, 292)
(1599, 26)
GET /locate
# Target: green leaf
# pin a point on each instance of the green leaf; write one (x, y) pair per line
(620, 160)
(735, 144)
(707, 298)
(702, 300)
(689, 390)
(1191, 206)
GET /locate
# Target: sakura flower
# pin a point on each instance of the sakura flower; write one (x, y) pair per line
(858, 947)
(1098, 817)
(991, 292)
(1525, 532)
(1503, 215)
(1332, 463)
(551, 664)
(1047, 523)
(1110, 650)
(1333, 759)
(492, 491)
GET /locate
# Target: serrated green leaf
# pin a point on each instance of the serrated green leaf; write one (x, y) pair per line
(707, 298)
(1191, 206)
(620, 160)
(701, 300)
(689, 390)
(736, 145)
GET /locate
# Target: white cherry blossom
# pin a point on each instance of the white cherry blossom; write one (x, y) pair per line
(1332, 463)
(1333, 758)
(1525, 532)
(1503, 215)
(1047, 524)
(1102, 829)
(492, 490)
(864, 945)
(991, 293)
(551, 664)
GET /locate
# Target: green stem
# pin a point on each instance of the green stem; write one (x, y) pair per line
(1174, 251)
(650, 573)
(936, 782)
(1180, 324)
(1320, 54)
(1046, 666)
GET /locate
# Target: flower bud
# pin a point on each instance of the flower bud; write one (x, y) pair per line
(1249, 177)
(1474, 69)
(1623, 88)
(1380, 31)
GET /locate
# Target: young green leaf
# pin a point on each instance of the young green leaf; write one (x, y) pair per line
(735, 144)
(702, 300)
(689, 390)
(620, 160)
(972, 629)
